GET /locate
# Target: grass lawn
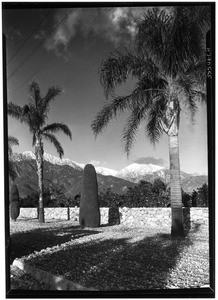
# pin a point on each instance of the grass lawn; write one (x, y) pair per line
(114, 257)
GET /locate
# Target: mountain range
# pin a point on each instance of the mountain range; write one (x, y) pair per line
(68, 174)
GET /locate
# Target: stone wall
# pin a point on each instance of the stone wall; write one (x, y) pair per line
(140, 216)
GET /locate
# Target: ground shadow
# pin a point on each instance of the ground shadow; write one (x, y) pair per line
(25, 243)
(116, 264)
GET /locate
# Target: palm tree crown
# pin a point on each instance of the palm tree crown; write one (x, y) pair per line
(35, 115)
(169, 67)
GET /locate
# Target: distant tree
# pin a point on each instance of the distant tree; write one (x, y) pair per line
(194, 196)
(158, 186)
(202, 195)
(186, 199)
(77, 198)
(35, 115)
(109, 199)
(168, 64)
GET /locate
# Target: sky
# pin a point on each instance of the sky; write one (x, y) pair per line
(71, 57)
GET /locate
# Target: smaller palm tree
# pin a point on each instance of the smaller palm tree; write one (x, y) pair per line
(35, 115)
(12, 168)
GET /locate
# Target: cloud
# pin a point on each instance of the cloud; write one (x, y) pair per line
(95, 163)
(40, 35)
(151, 160)
(64, 34)
(98, 163)
(13, 31)
(12, 34)
(117, 25)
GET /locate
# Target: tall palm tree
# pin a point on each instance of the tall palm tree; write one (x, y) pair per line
(12, 168)
(168, 65)
(35, 115)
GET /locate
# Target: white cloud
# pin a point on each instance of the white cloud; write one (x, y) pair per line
(151, 160)
(98, 163)
(64, 34)
(40, 35)
(95, 163)
(113, 24)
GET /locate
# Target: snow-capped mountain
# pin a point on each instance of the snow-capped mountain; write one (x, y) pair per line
(106, 171)
(136, 172)
(50, 158)
(128, 176)
(64, 161)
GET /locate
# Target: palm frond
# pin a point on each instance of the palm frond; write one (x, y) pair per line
(201, 15)
(12, 141)
(15, 111)
(197, 71)
(173, 39)
(145, 90)
(109, 111)
(116, 68)
(34, 91)
(55, 127)
(151, 33)
(190, 93)
(26, 110)
(130, 129)
(51, 94)
(155, 116)
(52, 139)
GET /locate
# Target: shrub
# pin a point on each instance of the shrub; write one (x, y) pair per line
(186, 199)
(114, 216)
(14, 202)
(200, 197)
(158, 186)
(109, 199)
(89, 214)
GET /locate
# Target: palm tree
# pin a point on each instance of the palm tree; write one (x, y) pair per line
(12, 168)
(35, 115)
(168, 65)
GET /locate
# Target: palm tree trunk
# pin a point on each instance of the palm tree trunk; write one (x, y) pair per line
(175, 187)
(39, 162)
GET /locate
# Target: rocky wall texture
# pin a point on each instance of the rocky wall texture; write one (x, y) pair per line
(140, 216)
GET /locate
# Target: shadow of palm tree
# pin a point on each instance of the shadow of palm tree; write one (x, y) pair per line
(116, 264)
(25, 243)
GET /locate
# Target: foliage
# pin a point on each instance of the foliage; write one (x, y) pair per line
(109, 199)
(158, 186)
(186, 199)
(146, 194)
(133, 197)
(53, 197)
(89, 213)
(142, 195)
(14, 202)
(114, 215)
(200, 197)
(194, 198)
